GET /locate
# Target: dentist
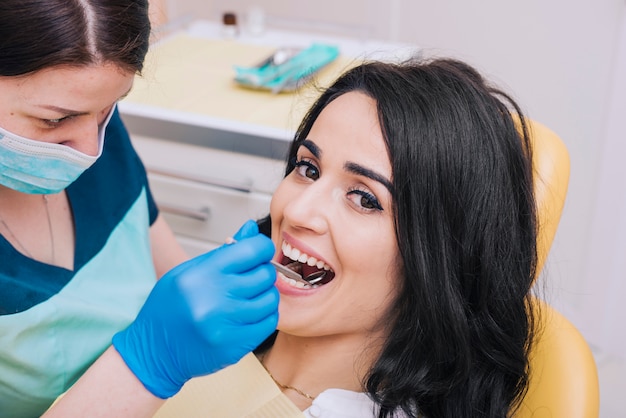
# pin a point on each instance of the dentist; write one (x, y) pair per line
(81, 239)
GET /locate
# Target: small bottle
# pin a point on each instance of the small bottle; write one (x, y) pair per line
(229, 25)
(255, 21)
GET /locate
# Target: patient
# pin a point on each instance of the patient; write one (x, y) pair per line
(411, 185)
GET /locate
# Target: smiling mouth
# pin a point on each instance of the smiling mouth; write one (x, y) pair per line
(311, 269)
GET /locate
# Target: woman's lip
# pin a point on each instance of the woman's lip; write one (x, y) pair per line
(288, 290)
(302, 247)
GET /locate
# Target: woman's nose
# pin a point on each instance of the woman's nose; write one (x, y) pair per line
(310, 208)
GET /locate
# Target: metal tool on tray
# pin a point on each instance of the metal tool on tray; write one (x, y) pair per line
(286, 68)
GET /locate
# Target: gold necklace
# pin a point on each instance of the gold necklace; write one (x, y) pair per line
(45, 201)
(286, 387)
(19, 243)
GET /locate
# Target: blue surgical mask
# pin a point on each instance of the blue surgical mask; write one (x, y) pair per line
(36, 167)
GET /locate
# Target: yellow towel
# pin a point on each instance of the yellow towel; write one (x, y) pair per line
(242, 390)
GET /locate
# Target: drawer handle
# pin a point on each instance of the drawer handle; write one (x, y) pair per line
(201, 214)
(245, 187)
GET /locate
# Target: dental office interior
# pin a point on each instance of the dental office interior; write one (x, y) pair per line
(213, 148)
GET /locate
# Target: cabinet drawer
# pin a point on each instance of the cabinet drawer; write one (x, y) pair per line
(205, 212)
(194, 247)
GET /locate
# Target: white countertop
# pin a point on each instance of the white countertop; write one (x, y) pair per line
(187, 92)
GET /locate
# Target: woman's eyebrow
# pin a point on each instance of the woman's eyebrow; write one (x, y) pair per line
(312, 147)
(366, 172)
(351, 166)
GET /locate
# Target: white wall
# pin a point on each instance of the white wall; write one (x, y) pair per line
(605, 311)
(556, 57)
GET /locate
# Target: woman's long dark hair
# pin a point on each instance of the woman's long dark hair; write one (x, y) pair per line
(37, 34)
(465, 221)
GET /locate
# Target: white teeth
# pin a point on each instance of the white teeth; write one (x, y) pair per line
(294, 283)
(296, 255)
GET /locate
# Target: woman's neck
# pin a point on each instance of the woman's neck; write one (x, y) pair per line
(315, 364)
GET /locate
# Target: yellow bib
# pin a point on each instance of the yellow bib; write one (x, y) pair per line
(243, 390)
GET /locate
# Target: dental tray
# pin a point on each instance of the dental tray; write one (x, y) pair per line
(286, 69)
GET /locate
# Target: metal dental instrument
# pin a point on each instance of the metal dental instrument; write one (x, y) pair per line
(290, 274)
(311, 279)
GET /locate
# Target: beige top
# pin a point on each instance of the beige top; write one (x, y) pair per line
(243, 390)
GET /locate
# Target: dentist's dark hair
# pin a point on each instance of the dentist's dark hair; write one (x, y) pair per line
(465, 221)
(38, 34)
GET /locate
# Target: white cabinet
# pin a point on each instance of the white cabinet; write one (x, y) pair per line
(205, 194)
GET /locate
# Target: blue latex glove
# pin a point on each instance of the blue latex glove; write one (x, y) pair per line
(204, 314)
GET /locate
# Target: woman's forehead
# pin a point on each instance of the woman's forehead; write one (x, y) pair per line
(349, 125)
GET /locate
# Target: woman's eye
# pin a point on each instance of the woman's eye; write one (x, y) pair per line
(365, 200)
(307, 169)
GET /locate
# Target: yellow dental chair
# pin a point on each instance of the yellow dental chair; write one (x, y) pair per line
(563, 374)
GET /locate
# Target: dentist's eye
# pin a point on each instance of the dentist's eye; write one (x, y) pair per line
(306, 169)
(364, 200)
(53, 123)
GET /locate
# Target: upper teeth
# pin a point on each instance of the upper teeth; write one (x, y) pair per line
(297, 255)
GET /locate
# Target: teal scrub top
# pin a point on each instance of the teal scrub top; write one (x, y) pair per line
(55, 322)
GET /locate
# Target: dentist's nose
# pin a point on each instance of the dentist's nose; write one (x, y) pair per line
(83, 136)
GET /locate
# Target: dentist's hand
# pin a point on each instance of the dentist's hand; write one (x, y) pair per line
(204, 315)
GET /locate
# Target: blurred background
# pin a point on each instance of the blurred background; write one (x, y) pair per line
(565, 62)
